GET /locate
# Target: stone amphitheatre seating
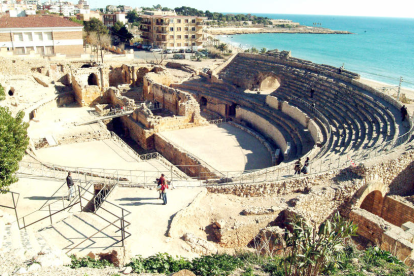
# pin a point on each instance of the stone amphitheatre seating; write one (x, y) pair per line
(299, 139)
(359, 120)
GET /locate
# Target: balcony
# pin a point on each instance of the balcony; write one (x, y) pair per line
(146, 22)
(163, 23)
(161, 39)
(145, 37)
(162, 31)
(144, 28)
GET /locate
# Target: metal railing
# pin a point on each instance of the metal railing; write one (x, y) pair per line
(49, 207)
(123, 224)
(15, 202)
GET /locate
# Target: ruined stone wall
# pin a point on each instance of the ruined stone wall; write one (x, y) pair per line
(176, 155)
(397, 212)
(262, 125)
(295, 113)
(389, 237)
(139, 133)
(88, 92)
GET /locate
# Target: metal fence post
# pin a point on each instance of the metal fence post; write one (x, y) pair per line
(50, 215)
(123, 228)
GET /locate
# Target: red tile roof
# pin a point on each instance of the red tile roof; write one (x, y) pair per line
(36, 22)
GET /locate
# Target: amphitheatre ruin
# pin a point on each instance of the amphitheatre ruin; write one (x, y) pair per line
(226, 137)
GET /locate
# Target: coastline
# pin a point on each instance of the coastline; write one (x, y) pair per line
(297, 30)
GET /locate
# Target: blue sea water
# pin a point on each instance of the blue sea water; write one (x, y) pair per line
(381, 49)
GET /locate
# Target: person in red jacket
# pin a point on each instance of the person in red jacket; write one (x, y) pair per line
(163, 189)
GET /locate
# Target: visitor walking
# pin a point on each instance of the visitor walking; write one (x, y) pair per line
(305, 169)
(298, 166)
(71, 186)
(160, 181)
(404, 112)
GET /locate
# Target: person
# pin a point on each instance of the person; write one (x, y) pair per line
(403, 112)
(160, 182)
(69, 182)
(305, 169)
(122, 109)
(312, 92)
(163, 189)
(298, 166)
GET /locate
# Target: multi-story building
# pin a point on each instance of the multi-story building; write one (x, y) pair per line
(45, 35)
(109, 20)
(171, 31)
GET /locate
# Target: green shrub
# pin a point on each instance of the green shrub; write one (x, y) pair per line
(205, 265)
(88, 262)
(2, 93)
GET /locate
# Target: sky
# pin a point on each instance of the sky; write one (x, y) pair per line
(379, 8)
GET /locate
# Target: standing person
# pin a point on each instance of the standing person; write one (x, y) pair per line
(298, 167)
(164, 188)
(69, 182)
(312, 92)
(305, 169)
(160, 182)
(403, 112)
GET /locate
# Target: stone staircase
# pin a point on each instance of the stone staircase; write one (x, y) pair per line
(19, 249)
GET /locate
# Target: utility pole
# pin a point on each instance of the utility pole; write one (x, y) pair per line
(399, 88)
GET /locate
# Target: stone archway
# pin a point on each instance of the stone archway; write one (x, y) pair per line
(269, 83)
(92, 79)
(371, 197)
(373, 203)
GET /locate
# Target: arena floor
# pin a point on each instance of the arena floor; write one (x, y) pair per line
(224, 147)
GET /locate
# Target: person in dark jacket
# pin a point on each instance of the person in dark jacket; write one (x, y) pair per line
(305, 168)
(71, 186)
(404, 112)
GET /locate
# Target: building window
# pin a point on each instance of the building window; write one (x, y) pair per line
(48, 36)
(171, 37)
(186, 28)
(19, 51)
(178, 20)
(28, 37)
(193, 36)
(49, 50)
(40, 50)
(186, 21)
(38, 37)
(178, 36)
(186, 44)
(186, 36)
(193, 21)
(18, 37)
(178, 44)
(179, 29)
(171, 29)
(194, 44)
(171, 44)
(193, 29)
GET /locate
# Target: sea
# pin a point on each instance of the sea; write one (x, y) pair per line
(380, 48)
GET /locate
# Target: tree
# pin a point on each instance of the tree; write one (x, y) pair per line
(133, 16)
(310, 251)
(263, 51)
(13, 143)
(157, 7)
(121, 31)
(100, 41)
(95, 25)
(2, 94)
(222, 47)
(254, 50)
(74, 19)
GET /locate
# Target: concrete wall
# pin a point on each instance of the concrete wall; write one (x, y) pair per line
(262, 125)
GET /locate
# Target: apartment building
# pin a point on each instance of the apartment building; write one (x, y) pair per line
(45, 35)
(171, 31)
(109, 20)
